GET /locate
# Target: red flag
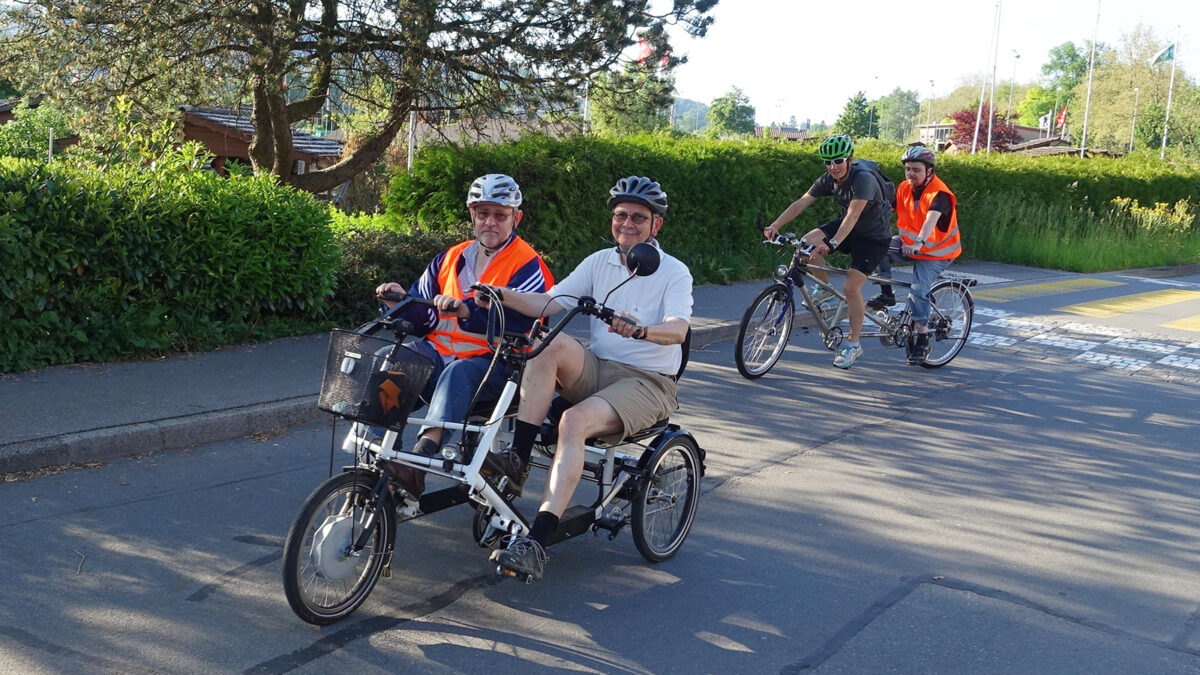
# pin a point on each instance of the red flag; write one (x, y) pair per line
(644, 50)
(1062, 118)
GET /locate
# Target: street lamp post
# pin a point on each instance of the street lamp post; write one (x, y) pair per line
(1133, 127)
(1012, 83)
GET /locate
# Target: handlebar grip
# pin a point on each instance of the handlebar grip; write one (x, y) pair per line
(494, 290)
(391, 296)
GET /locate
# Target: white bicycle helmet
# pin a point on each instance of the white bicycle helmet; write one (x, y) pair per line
(641, 191)
(495, 188)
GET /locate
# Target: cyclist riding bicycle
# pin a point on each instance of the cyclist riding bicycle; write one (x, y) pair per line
(454, 333)
(862, 229)
(621, 383)
(926, 215)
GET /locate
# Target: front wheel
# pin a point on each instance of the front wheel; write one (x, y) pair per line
(765, 330)
(949, 322)
(666, 505)
(325, 576)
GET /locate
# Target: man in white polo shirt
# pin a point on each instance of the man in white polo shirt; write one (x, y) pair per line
(621, 383)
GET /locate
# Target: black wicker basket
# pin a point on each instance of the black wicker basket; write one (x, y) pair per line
(371, 379)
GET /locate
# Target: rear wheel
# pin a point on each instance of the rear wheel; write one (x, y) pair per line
(765, 330)
(665, 507)
(324, 578)
(949, 322)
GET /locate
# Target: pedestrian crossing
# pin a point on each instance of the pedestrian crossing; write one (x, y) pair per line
(1059, 335)
(1010, 293)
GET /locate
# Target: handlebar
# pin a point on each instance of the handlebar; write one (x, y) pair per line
(791, 239)
(586, 305)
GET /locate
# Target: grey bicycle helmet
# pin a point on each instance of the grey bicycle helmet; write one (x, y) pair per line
(919, 153)
(495, 188)
(641, 191)
(836, 147)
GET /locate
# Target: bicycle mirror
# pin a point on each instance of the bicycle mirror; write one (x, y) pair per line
(642, 259)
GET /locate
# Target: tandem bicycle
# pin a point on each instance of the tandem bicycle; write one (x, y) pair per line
(766, 326)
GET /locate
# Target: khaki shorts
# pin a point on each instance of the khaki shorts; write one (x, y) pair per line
(640, 398)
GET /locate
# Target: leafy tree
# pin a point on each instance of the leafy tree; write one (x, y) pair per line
(690, 116)
(895, 114)
(27, 135)
(1066, 67)
(518, 60)
(792, 122)
(1003, 133)
(1111, 116)
(731, 114)
(7, 90)
(855, 119)
(635, 99)
(1037, 102)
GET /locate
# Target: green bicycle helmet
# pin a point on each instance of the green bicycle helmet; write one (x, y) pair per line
(836, 147)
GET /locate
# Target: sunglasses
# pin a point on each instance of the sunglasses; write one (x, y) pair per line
(837, 162)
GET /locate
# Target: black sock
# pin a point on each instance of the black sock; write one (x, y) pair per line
(523, 437)
(885, 289)
(543, 526)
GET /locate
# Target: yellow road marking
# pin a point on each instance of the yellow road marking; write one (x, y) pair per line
(1190, 323)
(1131, 303)
(1035, 290)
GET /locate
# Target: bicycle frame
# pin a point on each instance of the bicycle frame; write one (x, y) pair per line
(610, 468)
(895, 327)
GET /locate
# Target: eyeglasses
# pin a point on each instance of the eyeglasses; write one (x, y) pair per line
(837, 162)
(498, 215)
(637, 218)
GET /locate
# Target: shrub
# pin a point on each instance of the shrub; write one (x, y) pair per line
(371, 254)
(101, 262)
(718, 189)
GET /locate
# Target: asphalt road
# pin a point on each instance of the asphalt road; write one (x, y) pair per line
(1006, 514)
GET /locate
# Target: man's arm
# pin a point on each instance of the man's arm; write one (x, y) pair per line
(852, 214)
(789, 214)
(931, 221)
(530, 304)
(670, 332)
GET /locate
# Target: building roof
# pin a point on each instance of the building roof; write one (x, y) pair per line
(239, 119)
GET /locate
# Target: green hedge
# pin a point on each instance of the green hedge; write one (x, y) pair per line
(717, 189)
(99, 262)
(373, 254)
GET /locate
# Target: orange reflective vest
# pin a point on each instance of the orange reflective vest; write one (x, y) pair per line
(910, 217)
(448, 337)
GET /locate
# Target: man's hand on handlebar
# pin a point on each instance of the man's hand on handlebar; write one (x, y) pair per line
(770, 232)
(483, 294)
(446, 304)
(625, 325)
(391, 288)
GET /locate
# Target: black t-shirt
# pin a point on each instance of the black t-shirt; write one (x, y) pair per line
(873, 222)
(941, 203)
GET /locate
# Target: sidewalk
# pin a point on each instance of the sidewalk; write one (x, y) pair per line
(81, 413)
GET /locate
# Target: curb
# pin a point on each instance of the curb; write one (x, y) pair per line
(153, 436)
(211, 427)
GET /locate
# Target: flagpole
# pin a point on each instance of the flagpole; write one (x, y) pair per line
(983, 89)
(1087, 104)
(1162, 153)
(992, 98)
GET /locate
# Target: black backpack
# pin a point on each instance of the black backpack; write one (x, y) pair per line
(885, 185)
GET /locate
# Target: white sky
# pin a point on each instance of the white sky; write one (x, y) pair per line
(808, 58)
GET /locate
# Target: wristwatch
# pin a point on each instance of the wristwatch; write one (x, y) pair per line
(833, 243)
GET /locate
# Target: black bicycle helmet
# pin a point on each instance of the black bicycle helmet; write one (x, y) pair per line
(836, 147)
(919, 153)
(641, 191)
